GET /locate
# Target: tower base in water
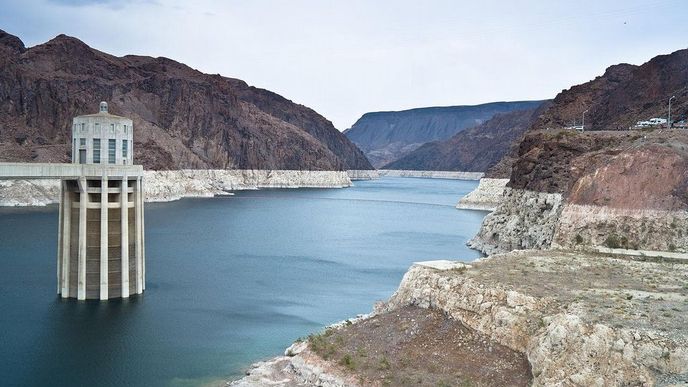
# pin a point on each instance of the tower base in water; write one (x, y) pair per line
(101, 252)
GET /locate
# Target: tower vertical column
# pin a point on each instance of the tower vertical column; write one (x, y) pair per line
(66, 205)
(60, 236)
(104, 237)
(143, 236)
(138, 209)
(83, 206)
(124, 204)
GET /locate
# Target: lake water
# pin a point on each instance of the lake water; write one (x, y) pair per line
(230, 280)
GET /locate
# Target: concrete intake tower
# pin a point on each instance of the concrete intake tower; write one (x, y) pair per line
(101, 253)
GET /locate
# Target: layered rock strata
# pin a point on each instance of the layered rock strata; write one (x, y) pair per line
(174, 185)
(486, 196)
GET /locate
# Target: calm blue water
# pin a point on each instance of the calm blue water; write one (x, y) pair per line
(230, 281)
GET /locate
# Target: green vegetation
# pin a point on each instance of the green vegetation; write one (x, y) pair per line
(348, 362)
(383, 364)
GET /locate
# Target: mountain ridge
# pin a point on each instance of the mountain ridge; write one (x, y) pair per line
(183, 118)
(387, 136)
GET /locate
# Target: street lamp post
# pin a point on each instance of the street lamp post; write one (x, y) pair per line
(669, 117)
(583, 126)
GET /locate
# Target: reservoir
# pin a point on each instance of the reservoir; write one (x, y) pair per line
(230, 280)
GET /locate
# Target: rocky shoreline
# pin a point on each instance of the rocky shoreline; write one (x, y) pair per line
(363, 174)
(161, 186)
(431, 174)
(486, 197)
(581, 317)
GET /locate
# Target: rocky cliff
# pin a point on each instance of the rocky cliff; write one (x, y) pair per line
(182, 117)
(626, 189)
(473, 149)
(387, 136)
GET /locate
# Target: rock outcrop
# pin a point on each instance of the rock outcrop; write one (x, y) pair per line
(183, 119)
(163, 186)
(545, 305)
(387, 136)
(486, 197)
(586, 190)
(524, 220)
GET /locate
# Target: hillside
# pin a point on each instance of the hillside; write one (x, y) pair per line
(388, 136)
(182, 117)
(474, 149)
(623, 95)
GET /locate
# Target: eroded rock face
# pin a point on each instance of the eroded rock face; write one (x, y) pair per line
(524, 220)
(611, 189)
(182, 117)
(487, 196)
(545, 316)
(581, 226)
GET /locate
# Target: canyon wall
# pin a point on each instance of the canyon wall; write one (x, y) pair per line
(596, 189)
(183, 118)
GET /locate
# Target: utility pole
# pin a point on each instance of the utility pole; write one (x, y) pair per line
(583, 126)
(669, 118)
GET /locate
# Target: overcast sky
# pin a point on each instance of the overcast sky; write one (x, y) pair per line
(344, 58)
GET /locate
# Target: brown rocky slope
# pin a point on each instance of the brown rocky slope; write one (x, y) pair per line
(623, 95)
(183, 118)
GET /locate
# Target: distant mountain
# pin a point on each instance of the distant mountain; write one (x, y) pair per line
(182, 117)
(623, 95)
(387, 136)
(475, 149)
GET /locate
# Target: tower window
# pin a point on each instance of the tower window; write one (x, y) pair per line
(125, 145)
(96, 151)
(112, 128)
(112, 146)
(82, 142)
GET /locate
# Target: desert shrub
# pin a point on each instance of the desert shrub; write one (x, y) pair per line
(578, 239)
(612, 241)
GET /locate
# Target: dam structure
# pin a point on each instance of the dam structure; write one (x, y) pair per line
(101, 248)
